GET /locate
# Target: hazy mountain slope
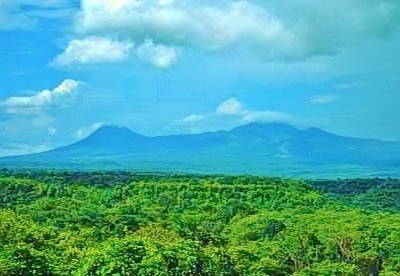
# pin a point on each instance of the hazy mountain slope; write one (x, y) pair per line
(255, 148)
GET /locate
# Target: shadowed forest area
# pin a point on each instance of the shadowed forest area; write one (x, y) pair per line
(121, 223)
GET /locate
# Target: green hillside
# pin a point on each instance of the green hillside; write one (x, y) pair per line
(82, 223)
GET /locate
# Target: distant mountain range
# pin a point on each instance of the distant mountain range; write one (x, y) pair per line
(258, 148)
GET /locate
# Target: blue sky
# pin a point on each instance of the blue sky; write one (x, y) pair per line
(178, 66)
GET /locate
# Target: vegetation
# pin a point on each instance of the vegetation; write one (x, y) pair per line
(375, 194)
(75, 223)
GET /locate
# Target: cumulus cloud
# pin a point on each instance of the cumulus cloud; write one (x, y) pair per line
(87, 130)
(324, 99)
(209, 27)
(232, 106)
(93, 49)
(233, 112)
(160, 56)
(291, 30)
(59, 96)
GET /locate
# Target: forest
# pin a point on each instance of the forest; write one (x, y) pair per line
(124, 223)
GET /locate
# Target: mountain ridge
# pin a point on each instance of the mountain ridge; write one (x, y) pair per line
(255, 148)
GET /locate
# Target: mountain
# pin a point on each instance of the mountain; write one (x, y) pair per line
(105, 140)
(257, 148)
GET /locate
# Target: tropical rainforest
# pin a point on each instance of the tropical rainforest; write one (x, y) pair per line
(122, 223)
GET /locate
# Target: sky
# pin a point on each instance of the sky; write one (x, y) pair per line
(160, 67)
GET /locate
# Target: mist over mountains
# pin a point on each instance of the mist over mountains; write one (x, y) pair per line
(257, 148)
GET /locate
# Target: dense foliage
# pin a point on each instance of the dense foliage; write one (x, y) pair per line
(376, 194)
(130, 224)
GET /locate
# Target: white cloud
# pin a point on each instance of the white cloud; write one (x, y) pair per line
(231, 107)
(93, 49)
(192, 118)
(268, 116)
(324, 99)
(231, 113)
(202, 26)
(86, 131)
(59, 96)
(291, 30)
(66, 87)
(160, 56)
